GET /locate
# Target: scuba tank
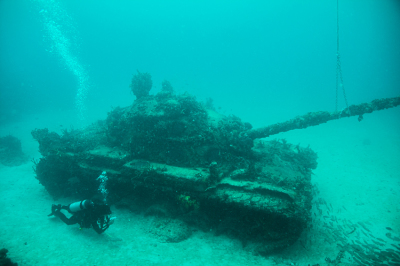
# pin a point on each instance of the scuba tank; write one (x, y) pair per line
(80, 205)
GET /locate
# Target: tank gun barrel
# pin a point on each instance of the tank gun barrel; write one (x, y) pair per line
(316, 118)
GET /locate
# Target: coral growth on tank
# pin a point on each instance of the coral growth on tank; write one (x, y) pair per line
(141, 84)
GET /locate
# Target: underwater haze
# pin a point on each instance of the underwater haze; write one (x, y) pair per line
(65, 64)
(276, 58)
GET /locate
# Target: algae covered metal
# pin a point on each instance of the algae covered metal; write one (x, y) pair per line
(175, 154)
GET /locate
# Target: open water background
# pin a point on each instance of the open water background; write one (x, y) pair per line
(264, 61)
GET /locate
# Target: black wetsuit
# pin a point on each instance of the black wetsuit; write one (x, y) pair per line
(96, 217)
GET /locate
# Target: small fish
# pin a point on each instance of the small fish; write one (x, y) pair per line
(364, 226)
(350, 232)
(395, 246)
(364, 233)
(369, 223)
(377, 243)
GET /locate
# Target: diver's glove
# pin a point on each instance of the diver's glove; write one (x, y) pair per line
(55, 209)
(106, 222)
(111, 221)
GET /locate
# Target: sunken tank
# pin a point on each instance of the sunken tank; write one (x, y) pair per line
(170, 154)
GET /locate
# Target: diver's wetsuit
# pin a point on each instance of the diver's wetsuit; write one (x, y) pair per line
(96, 217)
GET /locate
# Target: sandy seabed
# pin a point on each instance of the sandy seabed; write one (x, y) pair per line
(358, 178)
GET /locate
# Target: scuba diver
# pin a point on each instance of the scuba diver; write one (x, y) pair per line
(85, 213)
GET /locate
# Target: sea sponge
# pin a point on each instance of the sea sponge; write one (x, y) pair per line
(141, 84)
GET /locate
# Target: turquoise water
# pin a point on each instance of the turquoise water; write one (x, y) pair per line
(67, 63)
(275, 58)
